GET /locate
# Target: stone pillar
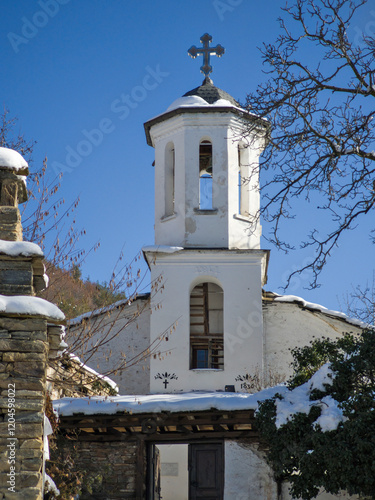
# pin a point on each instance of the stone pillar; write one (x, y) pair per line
(24, 343)
(23, 364)
(13, 172)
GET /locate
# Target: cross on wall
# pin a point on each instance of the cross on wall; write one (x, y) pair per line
(206, 51)
(166, 376)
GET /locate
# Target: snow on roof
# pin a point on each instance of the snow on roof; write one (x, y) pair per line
(103, 310)
(161, 249)
(290, 402)
(33, 306)
(108, 380)
(195, 100)
(319, 308)
(20, 248)
(10, 159)
(298, 401)
(174, 403)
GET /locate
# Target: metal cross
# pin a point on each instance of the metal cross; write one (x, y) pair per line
(206, 51)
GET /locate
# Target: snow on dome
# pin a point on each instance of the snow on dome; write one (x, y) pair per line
(12, 160)
(187, 102)
(192, 101)
(33, 306)
(20, 248)
(222, 102)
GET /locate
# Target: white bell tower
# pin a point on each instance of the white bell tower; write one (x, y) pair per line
(207, 240)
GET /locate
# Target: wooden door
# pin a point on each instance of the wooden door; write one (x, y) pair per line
(206, 471)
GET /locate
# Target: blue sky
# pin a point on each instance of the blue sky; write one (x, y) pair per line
(66, 67)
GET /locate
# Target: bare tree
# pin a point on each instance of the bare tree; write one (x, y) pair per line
(49, 223)
(13, 140)
(360, 302)
(318, 100)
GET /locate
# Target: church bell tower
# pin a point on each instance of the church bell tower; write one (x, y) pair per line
(207, 253)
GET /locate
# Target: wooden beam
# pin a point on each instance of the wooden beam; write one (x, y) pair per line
(140, 480)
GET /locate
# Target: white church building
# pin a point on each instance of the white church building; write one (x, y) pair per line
(216, 330)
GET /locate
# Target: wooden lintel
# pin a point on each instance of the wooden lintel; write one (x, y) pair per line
(227, 424)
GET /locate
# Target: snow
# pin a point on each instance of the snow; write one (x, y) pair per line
(20, 248)
(51, 486)
(187, 102)
(47, 431)
(161, 249)
(298, 401)
(194, 100)
(108, 380)
(331, 415)
(46, 280)
(289, 403)
(103, 310)
(63, 345)
(153, 403)
(33, 306)
(318, 307)
(223, 102)
(10, 159)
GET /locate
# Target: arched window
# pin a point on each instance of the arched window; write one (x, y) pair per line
(169, 179)
(206, 326)
(243, 181)
(205, 175)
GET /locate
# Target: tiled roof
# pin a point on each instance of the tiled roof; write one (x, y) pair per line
(210, 93)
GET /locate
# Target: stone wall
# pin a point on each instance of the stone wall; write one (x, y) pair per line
(27, 341)
(109, 468)
(23, 363)
(68, 377)
(21, 275)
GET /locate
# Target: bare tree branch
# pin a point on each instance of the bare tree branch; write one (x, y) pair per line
(319, 101)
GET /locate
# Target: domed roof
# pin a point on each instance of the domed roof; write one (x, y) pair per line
(203, 99)
(210, 93)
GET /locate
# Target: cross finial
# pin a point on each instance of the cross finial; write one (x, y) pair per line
(206, 51)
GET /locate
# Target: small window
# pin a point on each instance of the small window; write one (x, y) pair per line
(169, 180)
(205, 176)
(206, 327)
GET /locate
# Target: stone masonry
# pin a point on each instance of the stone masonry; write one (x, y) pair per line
(30, 334)
(112, 465)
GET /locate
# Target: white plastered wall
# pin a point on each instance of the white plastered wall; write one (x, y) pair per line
(239, 274)
(174, 471)
(287, 325)
(128, 337)
(188, 227)
(247, 474)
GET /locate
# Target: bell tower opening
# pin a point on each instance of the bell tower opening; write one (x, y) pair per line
(206, 326)
(205, 176)
(169, 179)
(243, 181)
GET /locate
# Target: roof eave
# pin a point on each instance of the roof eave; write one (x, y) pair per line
(200, 109)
